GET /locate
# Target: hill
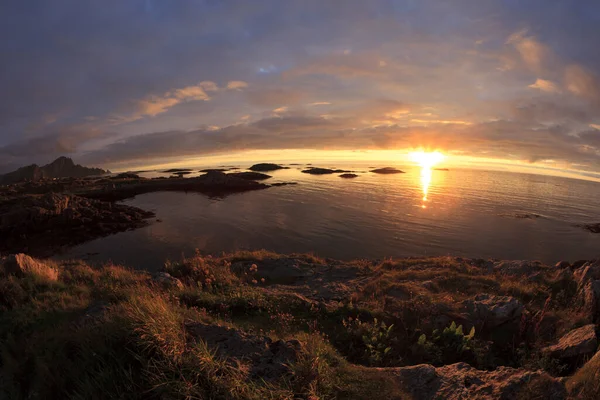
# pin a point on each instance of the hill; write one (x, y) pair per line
(62, 167)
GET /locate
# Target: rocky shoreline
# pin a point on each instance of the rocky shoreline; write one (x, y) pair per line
(280, 326)
(42, 217)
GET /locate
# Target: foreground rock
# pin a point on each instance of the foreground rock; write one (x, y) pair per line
(21, 265)
(492, 311)
(167, 281)
(461, 382)
(39, 224)
(579, 342)
(266, 167)
(387, 170)
(267, 359)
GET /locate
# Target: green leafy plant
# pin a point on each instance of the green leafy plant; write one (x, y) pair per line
(376, 338)
(447, 346)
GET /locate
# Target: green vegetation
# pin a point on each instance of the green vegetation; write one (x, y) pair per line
(70, 330)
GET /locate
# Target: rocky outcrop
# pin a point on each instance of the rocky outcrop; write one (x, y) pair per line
(268, 359)
(266, 167)
(579, 342)
(461, 381)
(38, 224)
(587, 278)
(387, 170)
(62, 167)
(21, 265)
(492, 311)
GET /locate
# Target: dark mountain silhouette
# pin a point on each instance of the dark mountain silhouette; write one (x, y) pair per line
(62, 167)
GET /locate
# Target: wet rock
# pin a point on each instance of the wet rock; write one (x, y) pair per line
(253, 176)
(266, 167)
(461, 381)
(563, 264)
(491, 310)
(21, 265)
(348, 176)
(268, 359)
(167, 281)
(387, 170)
(579, 342)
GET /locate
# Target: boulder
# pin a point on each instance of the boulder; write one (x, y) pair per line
(167, 281)
(268, 359)
(563, 264)
(491, 310)
(348, 176)
(579, 342)
(460, 381)
(21, 265)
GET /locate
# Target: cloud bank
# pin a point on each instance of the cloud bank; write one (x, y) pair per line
(127, 82)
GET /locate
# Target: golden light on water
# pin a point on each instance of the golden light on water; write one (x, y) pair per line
(426, 161)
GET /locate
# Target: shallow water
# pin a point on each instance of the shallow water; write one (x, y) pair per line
(467, 213)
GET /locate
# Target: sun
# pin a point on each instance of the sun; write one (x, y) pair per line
(426, 159)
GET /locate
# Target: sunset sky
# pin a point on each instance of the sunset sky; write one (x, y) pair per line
(123, 84)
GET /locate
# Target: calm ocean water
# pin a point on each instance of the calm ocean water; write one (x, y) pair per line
(468, 213)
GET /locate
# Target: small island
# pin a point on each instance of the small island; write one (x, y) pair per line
(387, 170)
(322, 171)
(266, 167)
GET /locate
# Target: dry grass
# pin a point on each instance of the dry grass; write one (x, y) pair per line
(585, 383)
(110, 332)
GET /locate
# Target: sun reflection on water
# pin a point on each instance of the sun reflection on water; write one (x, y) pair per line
(426, 160)
(425, 182)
